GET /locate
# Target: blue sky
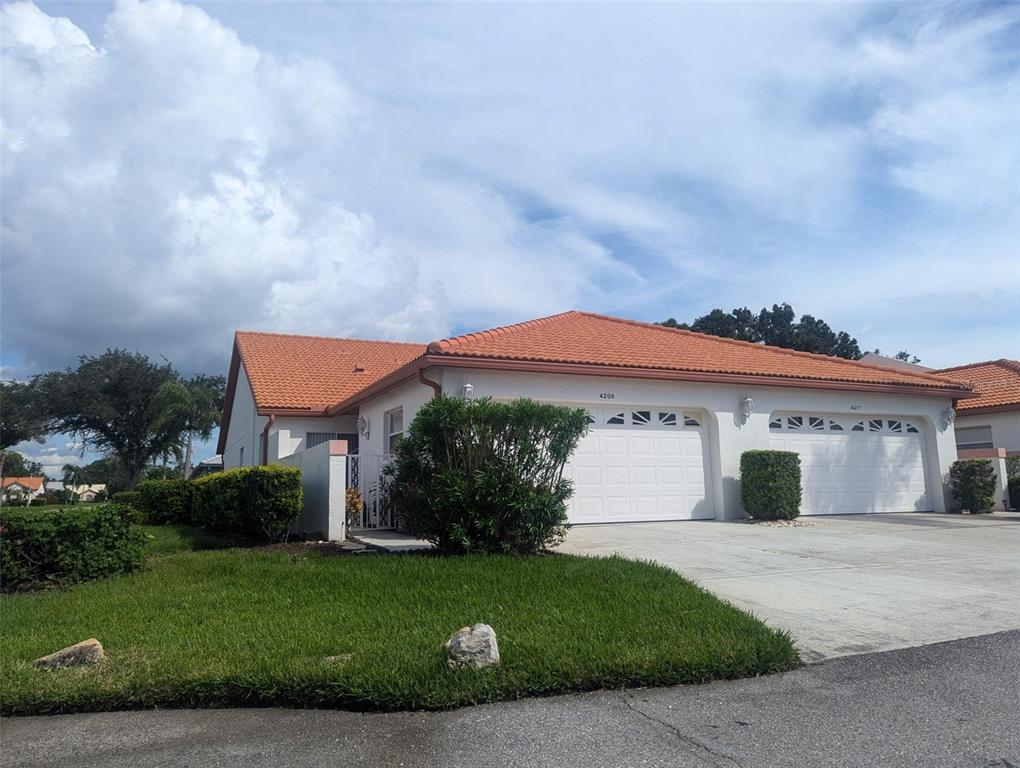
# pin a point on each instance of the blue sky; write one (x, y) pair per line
(173, 172)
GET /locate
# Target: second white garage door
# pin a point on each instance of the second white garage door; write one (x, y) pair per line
(641, 463)
(855, 465)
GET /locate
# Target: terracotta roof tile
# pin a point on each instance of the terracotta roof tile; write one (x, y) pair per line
(314, 372)
(32, 483)
(997, 383)
(587, 338)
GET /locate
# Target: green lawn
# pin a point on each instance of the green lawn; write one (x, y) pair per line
(253, 627)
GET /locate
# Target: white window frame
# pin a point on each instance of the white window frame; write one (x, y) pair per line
(391, 433)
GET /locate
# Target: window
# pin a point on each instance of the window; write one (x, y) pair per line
(394, 421)
(875, 425)
(692, 420)
(667, 418)
(816, 423)
(591, 419)
(968, 438)
(858, 427)
(894, 425)
(640, 417)
(313, 439)
(835, 426)
(794, 422)
(617, 419)
(776, 423)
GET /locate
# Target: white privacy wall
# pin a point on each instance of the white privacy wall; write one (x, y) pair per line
(245, 427)
(324, 480)
(729, 439)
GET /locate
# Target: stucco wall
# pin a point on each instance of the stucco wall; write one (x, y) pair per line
(729, 439)
(245, 427)
(288, 433)
(323, 478)
(1005, 427)
(411, 396)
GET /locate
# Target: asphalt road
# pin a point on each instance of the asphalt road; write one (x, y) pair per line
(952, 704)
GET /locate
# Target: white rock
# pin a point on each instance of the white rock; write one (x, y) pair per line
(472, 647)
(78, 655)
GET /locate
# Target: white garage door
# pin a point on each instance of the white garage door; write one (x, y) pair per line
(641, 463)
(855, 465)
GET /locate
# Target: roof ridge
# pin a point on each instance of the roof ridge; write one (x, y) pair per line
(1003, 362)
(489, 333)
(330, 338)
(755, 345)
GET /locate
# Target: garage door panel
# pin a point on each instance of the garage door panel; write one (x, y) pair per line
(852, 472)
(639, 471)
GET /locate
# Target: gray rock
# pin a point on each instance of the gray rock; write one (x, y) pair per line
(472, 647)
(78, 655)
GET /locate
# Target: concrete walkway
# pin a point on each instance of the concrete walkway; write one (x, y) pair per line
(844, 585)
(941, 706)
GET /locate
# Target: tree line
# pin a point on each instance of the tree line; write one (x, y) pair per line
(135, 411)
(780, 327)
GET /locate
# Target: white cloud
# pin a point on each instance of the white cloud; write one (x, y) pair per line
(403, 171)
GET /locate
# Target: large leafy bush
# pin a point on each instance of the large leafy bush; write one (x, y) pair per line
(973, 483)
(770, 484)
(481, 476)
(165, 501)
(260, 501)
(66, 546)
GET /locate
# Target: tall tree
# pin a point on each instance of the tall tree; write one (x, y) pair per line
(20, 418)
(777, 327)
(109, 402)
(196, 404)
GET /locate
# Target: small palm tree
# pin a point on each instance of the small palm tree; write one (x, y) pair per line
(196, 406)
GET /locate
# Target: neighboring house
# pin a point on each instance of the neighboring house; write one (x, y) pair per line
(988, 426)
(82, 492)
(26, 488)
(207, 467)
(671, 412)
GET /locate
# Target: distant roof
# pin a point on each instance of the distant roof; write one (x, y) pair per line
(883, 361)
(32, 483)
(997, 383)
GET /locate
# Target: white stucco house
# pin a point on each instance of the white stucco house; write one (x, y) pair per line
(22, 488)
(671, 412)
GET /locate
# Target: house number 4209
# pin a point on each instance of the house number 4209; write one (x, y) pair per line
(607, 395)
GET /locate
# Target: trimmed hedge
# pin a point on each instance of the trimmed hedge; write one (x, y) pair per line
(166, 501)
(770, 484)
(128, 498)
(973, 483)
(67, 546)
(261, 501)
(39, 502)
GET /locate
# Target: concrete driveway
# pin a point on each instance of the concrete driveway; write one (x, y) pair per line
(843, 585)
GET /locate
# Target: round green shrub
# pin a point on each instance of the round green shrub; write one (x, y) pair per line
(973, 484)
(475, 476)
(770, 484)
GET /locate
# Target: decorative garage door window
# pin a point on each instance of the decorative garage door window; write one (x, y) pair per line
(649, 418)
(809, 423)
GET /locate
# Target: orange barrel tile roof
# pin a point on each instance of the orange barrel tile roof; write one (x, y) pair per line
(587, 338)
(996, 382)
(315, 372)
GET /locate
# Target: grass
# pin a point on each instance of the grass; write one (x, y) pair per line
(172, 539)
(248, 627)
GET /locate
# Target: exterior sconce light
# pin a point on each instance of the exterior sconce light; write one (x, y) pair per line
(746, 409)
(948, 417)
(466, 391)
(363, 427)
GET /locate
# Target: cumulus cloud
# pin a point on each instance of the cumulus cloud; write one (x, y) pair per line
(407, 171)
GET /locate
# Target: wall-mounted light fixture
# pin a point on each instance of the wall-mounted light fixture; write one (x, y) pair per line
(363, 427)
(746, 409)
(466, 391)
(948, 417)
